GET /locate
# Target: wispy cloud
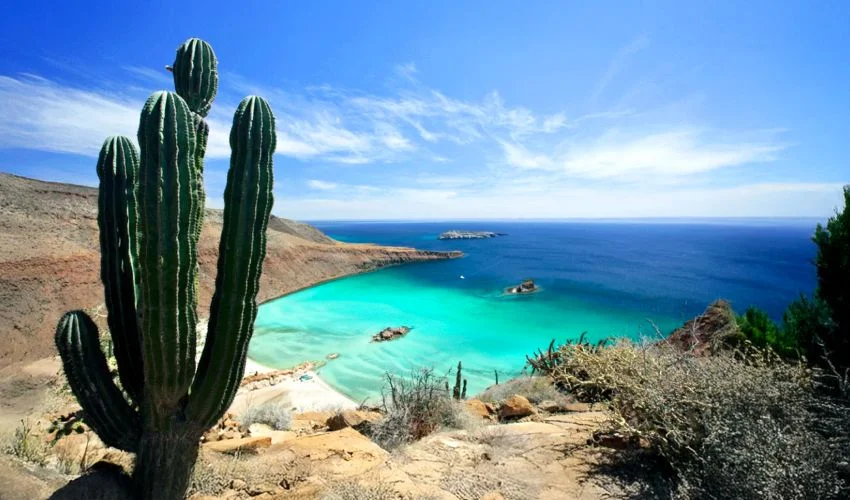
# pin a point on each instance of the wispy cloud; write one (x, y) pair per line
(407, 70)
(617, 64)
(671, 153)
(161, 77)
(321, 185)
(36, 113)
(454, 156)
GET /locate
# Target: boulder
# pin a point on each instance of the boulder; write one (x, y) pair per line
(231, 446)
(516, 407)
(480, 408)
(352, 418)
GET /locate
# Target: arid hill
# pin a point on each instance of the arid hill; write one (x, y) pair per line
(50, 260)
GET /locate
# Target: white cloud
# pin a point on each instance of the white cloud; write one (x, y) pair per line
(36, 113)
(507, 201)
(321, 185)
(667, 154)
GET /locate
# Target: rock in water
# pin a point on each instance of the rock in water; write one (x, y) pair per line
(390, 333)
(527, 286)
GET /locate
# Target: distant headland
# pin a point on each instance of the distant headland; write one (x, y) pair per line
(468, 235)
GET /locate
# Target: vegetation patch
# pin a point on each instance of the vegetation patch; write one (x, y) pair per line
(414, 407)
(736, 424)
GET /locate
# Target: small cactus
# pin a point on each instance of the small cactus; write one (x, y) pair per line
(150, 211)
(459, 390)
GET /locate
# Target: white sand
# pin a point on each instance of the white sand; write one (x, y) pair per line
(300, 395)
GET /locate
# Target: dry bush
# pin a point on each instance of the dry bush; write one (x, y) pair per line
(214, 473)
(534, 389)
(415, 407)
(275, 415)
(26, 445)
(737, 424)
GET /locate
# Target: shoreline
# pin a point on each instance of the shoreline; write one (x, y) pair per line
(447, 255)
(298, 392)
(302, 390)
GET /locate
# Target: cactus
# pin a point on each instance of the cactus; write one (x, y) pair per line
(195, 71)
(149, 214)
(459, 390)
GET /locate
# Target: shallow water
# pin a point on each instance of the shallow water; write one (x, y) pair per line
(606, 279)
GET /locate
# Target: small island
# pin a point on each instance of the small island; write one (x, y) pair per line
(391, 333)
(468, 235)
(527, 286)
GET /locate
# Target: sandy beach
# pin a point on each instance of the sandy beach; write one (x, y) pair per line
(303, 391)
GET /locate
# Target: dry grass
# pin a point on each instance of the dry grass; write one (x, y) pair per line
(536, 389)
(26, 445)
(352, 490)
(275, 415)
(737, 424)
(214, 473)
(472, 485)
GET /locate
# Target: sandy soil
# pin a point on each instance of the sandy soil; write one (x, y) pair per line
(302, 391)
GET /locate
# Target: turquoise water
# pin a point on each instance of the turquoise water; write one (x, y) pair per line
(605, 279)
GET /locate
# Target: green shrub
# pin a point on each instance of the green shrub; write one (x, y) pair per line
(757, 327)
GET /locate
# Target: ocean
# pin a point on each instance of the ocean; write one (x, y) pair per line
(604, 278)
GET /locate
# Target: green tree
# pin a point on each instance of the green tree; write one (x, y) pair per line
(762, 331)
(833, 268)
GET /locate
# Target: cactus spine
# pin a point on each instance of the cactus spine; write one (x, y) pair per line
(150, 207)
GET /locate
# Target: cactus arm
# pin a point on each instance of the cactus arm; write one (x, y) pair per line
(107, 412)
(117, 168)
(168, 201)
(195, 72)
(202, 134)
(248, 202)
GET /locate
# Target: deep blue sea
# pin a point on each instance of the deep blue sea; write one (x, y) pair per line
(606, 278)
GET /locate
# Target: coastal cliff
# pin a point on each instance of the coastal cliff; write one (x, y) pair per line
(50, 260)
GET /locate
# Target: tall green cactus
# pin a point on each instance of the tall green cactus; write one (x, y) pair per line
(149, 214)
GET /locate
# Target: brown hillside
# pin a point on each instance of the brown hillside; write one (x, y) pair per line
(50, 260)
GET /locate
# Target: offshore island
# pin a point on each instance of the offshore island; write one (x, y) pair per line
(468, 235)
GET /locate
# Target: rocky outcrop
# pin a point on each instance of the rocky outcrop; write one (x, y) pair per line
(527, 286)
(356, 419)
(516, 406)
(480, 408)
(711, 330)
(468, 235)
(50, 260)
(391, 333)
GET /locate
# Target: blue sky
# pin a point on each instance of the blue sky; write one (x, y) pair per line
(458, 110)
